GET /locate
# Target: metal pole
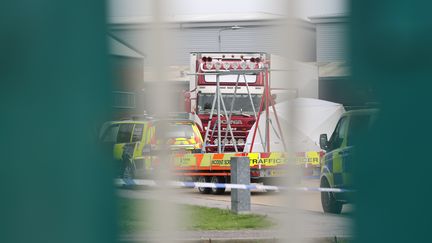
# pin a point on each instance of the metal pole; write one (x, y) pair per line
(228, 126)
(218, 112)
(235, 27)
(267, 127)
(231, 108)
(256, 124)
(208, 125)
(254, 111)
(279, 125)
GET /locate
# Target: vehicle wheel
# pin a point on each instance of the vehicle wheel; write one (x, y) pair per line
(204, 190)
(129, 171)
(328, 201)
(217, 179)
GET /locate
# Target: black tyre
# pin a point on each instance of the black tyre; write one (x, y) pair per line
(204, 190)
(217, 179)
(328, 201)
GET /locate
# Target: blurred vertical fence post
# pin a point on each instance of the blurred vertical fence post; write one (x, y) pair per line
(164, 214)
(391, 53)
(240, 174)
(55, 186)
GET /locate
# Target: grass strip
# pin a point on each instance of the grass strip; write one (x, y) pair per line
(132, 218)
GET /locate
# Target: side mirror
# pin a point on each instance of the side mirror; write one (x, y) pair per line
(324, 141)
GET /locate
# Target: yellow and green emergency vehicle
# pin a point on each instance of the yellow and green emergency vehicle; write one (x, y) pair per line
(336, 165)
(133, 140)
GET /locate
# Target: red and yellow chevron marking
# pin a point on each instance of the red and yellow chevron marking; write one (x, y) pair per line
(223, 161)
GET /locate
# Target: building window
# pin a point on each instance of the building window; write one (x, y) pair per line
(124, 99)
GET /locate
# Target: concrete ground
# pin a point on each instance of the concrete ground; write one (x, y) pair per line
(298, 214)
(310, 201)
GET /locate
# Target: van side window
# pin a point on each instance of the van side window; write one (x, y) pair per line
(339, 134)
(358, 128)
(137, 132)
(110, 134)
(125, 132)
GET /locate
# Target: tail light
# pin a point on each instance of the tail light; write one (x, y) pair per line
(255, 173)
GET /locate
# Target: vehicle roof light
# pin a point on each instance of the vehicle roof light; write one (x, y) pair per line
(217, 65)
(209, 65)
(204, 59)
(257, 59)
(209, 59)
(252, 59)
(235, 65)
(251, 65)
(226, 65)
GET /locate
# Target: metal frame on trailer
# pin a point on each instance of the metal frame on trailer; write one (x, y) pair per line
(218, 102)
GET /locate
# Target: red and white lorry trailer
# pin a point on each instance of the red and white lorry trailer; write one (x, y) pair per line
(247, 88)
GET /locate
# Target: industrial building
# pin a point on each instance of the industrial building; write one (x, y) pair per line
(332, 45)
(324, 40)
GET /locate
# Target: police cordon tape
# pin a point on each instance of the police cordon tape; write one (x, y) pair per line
(152, 183)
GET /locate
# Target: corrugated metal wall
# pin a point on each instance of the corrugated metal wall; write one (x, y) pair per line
(205, 39)
(331, 41)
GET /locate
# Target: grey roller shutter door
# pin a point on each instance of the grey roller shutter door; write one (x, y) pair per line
(205, 39)
(331, 42)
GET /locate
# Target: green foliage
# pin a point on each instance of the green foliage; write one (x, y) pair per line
(222, 219)
(132, 218)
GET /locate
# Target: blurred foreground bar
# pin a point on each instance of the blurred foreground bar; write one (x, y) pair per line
(391, 53)
(55, 186)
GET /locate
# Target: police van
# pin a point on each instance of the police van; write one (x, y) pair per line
(133, 139)
(336, 166)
